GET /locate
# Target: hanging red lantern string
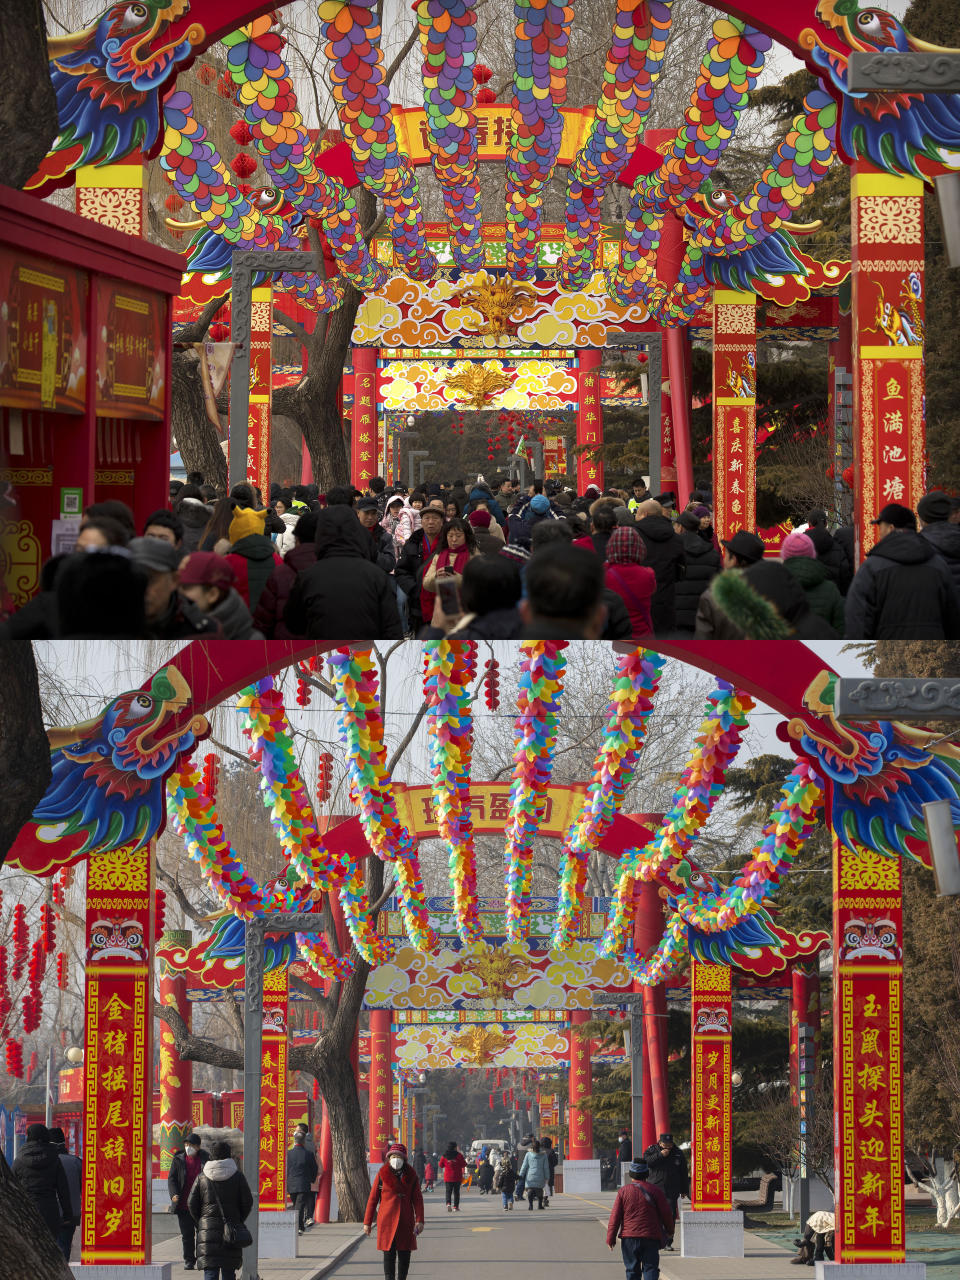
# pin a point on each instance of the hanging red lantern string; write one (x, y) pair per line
(159, 912)
(20, 940)
(32, 1066)
(61, 971)
(303, 692)
(211, 775)
(14, 1058)
(324, 777)
(225, 85)
(205, 73)
(48, 928)
(491, 681)
(243, 165)
(240, 133)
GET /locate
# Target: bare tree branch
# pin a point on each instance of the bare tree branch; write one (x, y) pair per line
(197, 1048)
(408, 44)
(183, 902)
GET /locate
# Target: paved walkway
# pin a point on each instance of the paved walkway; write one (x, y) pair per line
(321, 1248)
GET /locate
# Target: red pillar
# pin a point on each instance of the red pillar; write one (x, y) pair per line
(888, 312)
(176, 1073)
(711, 1133)
(580, 1140)
(647, 930)
(589, 417)
(677, 353)
(363, 441)
(868, 1057)
(804, 1010)
(381, 1083)
(118, 1058)
(649, 1128)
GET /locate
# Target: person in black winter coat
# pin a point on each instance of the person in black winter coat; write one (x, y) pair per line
(302, 1168)
(934, 512)
(382, 550)
(343, 595)
(903, 590)
(666, 557)
(668, 1171)
(703, 564)
(220, 1194)
(185, 1167)
(41, 1175)
(418, 550)
(830, 550)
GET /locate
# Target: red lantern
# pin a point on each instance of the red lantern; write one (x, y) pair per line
(61, 971)
(491, 680)
(225, 85)
(240, 133)
(205, 73)
(173, 202)
(47, 928)
(847, 477)
(324, 776)
(485, 97)
(211, 775)
(243, 165)
(20, 940)
(159, 911)
(14, 1058)
(219, 333)
(303, 693)
(491, 1102)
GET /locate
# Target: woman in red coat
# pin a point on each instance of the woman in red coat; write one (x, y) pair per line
(633, 581)
(395, 1201)
(453, 1167)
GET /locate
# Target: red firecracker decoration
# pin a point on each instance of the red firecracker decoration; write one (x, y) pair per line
(491, 681)
(3, 970)
(48, 928)
(61, 971)
(211, 775)
(32, 1066)
(303, 693)
(225, 86)
(240, 133)
(14, 1058)
(243, 165)
(173, 202)
(491, 1102)
(38, 963)
(205, 73)
(159, 911)
(20, 940)
(505, 1095)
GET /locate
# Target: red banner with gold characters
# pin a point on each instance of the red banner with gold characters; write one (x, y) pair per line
(868, 1055)
(734, 411)
(364, 436)
(580, 1145)
(261, 389)
(381, 1082)
(711, 1009)
(118, 1057)
(273, 1091)
(589, 420)
(554, 456)
(889, 317)
(43, 335)
(131, 351)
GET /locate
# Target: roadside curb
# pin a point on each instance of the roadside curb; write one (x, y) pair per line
(344, 1251)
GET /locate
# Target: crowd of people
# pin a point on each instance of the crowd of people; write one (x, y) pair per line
(488, 561)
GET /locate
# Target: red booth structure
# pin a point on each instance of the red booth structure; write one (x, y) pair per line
(85, 351)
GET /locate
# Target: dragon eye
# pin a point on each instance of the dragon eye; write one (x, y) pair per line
(141, 705)
(721, 199)
(133, 939)
(853, 938)
(99, 938)
(869, 22)
(134, 15)
(888, 939)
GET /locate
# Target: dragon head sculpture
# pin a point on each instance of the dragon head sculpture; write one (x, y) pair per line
(882, 771)
(108, 80)
(890, 129)
(108, 784)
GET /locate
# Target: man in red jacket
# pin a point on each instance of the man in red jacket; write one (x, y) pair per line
(643, 1219)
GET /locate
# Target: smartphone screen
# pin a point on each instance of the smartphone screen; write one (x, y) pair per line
(449, 597)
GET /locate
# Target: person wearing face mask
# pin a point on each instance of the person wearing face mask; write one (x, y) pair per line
(184, 1170)
(397, 1204)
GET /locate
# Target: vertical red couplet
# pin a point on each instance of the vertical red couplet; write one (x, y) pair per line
(711, 1059)
(589, 418)
(363, 440)
(273, 1091)
(580, 1140)
(734, 411)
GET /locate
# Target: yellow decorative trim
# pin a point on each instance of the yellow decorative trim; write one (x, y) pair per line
(711, 977)
(884, 184)
(867, 869)
(258, 399)
(275, 979)
(22, 476)
(891, 353)
(111, 175)
(735, 400)
(738, 297)
(262, 293)
(119, 869)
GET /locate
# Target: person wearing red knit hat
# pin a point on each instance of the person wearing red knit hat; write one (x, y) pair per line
(397, 1204)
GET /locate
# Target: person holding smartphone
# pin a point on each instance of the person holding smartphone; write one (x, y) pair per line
(458, 545)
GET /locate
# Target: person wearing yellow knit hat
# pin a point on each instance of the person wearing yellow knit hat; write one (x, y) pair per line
(251, 554)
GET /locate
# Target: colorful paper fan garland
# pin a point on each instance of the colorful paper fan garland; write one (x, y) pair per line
(784, 835)
(633, 65)
(265, 92)
(731, 64)
(701, 783)
(449, 668)
(539, 693)
(631, 703)
(539, 90)
(448, 39)
(351, 34)
(354, 680)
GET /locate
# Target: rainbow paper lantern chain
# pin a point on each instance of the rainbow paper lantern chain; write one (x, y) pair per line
(631, 703)
(448, 40)
(351, 34)
(542, 36)
(701, 783)
(539, 693)
(450, 667)
(266, 94)
(633, 65)
(354, 680)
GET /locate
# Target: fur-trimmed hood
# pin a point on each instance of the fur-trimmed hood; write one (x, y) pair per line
(220, 1170)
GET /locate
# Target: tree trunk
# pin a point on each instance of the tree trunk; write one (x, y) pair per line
(194, 433)
(24, 749)
(339, 1088)
(27, 1246)
(28, 104)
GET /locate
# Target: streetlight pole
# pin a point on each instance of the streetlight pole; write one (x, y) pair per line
(633, 1043)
